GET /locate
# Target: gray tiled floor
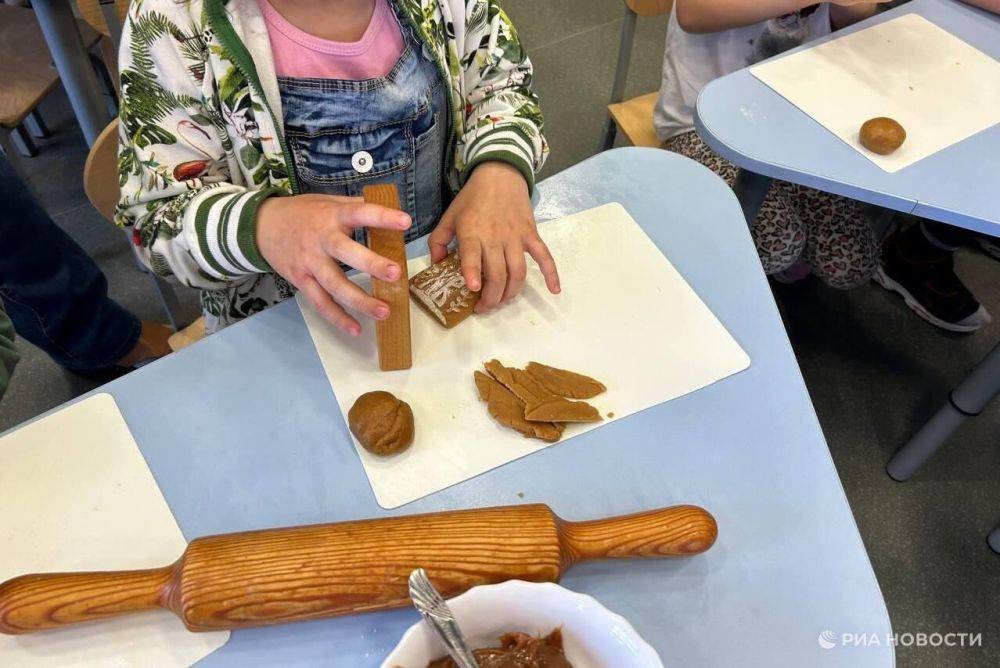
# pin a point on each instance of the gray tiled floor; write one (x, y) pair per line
(872, 380)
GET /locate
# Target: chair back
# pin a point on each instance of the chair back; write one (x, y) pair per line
(635, 116)
(650, 7)
(100, 182)
(92, 12)
(100, 173)
(93, 15)
(26, 72)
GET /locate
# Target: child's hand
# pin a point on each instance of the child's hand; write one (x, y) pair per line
(302, 237)
(847, 12)
(495, 226)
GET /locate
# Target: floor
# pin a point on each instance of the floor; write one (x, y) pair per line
(874, 370)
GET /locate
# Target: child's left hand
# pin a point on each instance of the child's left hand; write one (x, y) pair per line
(495, 226)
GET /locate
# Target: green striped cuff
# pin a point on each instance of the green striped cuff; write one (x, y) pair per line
(226, 228)
(505, 143)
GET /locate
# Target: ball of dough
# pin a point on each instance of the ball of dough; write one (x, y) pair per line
(382, 423)
(882, 135)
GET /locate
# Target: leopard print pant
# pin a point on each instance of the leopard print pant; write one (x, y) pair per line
(795, 222)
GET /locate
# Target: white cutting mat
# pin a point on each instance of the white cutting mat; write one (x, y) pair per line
(938, 87)
(76, 495)
(625, 316)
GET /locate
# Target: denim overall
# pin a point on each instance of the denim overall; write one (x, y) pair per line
(344, 135)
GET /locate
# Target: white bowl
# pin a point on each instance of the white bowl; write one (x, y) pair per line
(593, 636)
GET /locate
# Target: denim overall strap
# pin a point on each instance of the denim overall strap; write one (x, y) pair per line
(346, 134)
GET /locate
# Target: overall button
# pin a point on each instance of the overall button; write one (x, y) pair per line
(362, 162)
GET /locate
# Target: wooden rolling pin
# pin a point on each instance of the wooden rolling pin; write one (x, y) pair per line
(284, 575)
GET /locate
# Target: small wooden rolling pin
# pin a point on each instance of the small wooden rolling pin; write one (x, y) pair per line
(284, 575)
(392, 335)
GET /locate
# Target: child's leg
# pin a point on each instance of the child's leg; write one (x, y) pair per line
(691, 146)
(777, 231)
(841, 246)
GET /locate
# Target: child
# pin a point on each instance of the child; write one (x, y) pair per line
(250, 127)
(798, 228)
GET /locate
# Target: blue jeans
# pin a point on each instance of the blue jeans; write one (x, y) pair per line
(346, 134)
(53, 292)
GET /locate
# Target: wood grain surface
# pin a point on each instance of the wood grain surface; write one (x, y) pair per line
(27, 74)
(25, 65)
(282, 575)
(92, 12)
(34, 602)
(393, 333)
(667, 532)
(635, 119)
(100, 172)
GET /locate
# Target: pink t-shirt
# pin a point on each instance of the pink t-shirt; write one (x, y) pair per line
(303, 56)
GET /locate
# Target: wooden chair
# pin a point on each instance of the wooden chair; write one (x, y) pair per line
(92, 11)
(26, 77)
(100, 182)
(100, 173)
(633, 117)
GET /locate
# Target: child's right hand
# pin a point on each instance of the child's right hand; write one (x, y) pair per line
(302, 237)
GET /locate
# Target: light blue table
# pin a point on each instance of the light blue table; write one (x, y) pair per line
(752, 126)
(242, 431)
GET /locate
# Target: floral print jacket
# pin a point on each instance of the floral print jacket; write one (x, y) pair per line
(201, 138)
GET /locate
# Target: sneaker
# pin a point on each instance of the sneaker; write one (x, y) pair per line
(924, 275)
(989, 245)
